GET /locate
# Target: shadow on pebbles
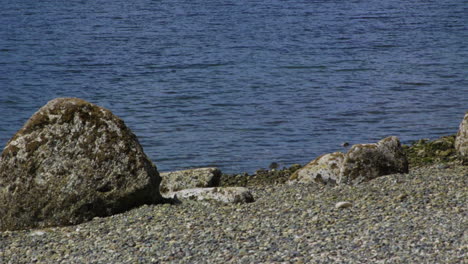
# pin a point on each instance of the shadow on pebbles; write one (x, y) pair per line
(418, 217)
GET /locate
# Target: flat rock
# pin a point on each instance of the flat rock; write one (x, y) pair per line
(187, 179)
(70, 162)
(461, 141)
(220, 194)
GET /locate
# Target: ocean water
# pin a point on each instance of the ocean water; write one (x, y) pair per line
(240, 84)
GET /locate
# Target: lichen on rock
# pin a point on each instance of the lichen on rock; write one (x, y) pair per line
(324, 169)
(70, 162)
(362, 162)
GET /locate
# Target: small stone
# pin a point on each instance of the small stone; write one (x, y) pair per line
(273, 166)
(37, 233)
(340, 205)
(401, 197)
(442, 166)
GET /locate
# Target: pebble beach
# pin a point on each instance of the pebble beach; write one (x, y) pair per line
(418, 217)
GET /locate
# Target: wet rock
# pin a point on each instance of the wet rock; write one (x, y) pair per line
(324, 169)
(461, 142)
(70, 162)
(364, 162)
(220, 194)
(187, 179)
(361, 163)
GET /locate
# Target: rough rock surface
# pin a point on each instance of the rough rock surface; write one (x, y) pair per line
(70, 162)
(361, 163)
(187, 179)
(364, 162)
(225, 195)
(324, 169)
(461, 142)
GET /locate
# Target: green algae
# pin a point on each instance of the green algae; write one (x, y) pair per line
(425, 152)
(261, 177)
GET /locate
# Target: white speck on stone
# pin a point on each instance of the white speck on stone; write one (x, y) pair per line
(340, 205)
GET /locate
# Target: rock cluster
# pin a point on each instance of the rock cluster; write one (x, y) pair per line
(461, 142)
(201, 184)
(70, 162)
(361, 163)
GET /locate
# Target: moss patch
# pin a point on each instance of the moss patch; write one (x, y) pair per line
(261, 177)
(425, 152)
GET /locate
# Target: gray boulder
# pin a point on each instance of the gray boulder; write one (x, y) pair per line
(224, 195)
(362, 162)
(461, 141)
(187, 179)
(70, 162)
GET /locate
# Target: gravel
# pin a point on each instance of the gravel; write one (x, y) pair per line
(418, 217)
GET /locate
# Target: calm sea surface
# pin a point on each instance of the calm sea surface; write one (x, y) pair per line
(239, 84)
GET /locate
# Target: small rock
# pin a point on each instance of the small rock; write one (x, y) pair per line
(37, 233)
(401, 197)
(442, 166)
(340, 205)
(273, 166)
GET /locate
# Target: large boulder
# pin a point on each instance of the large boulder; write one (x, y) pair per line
(70, 162)
(187, 179)
(362, 162)
(461, 142)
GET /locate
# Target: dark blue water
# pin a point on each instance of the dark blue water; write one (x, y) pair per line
(239, 84)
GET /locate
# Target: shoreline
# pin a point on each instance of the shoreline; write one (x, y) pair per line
(417, 217)
(421, 152)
